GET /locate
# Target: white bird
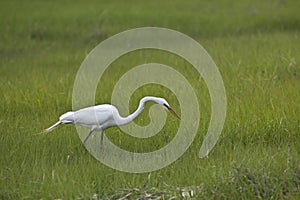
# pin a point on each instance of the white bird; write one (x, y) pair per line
(101, 117)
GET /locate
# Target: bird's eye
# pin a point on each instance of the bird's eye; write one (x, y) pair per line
(165, 105)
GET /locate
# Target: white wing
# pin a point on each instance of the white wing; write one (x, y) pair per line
(95, 117)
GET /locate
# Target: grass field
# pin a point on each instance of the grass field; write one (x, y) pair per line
(255, 44)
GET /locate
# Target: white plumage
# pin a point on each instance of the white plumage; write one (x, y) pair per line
(101, 117)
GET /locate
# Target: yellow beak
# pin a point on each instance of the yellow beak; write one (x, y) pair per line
(174, 113)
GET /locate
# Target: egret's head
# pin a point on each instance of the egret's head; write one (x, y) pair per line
(163, 103)
(166, 105)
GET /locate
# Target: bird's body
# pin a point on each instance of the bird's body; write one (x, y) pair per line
(94, 117)
(104, 116)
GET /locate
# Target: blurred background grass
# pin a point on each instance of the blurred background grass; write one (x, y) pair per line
(256, 46)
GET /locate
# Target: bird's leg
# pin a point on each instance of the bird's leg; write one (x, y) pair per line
(87, 137)
(101, 140)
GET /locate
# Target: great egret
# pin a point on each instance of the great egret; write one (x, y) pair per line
(104, 116)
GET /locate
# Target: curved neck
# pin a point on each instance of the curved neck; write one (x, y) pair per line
(131, 117)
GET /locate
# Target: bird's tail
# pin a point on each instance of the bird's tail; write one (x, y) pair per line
(51, 128)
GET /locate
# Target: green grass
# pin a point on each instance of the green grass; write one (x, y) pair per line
(256, 46)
